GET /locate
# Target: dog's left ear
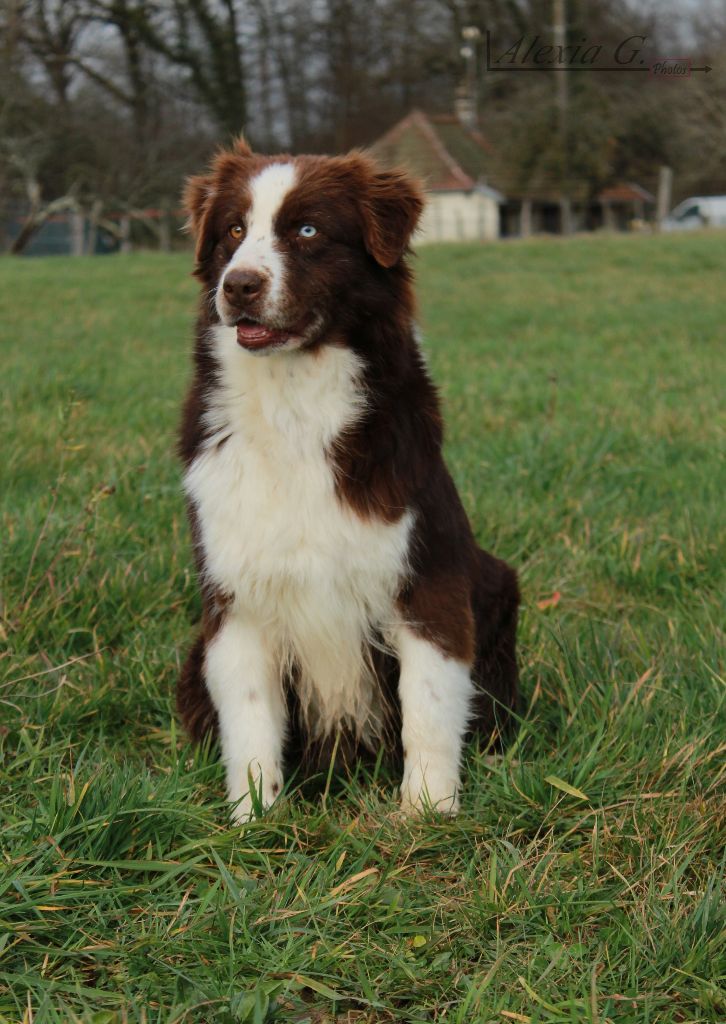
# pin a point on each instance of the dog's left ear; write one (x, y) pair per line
(390, 206)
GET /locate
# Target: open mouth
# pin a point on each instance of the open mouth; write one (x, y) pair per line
(251, 334)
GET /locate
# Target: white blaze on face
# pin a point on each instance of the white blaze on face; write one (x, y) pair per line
(259, 250)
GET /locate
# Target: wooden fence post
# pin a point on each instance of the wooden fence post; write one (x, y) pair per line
(525, 218)
(77, 226)
(93, 220)
(165, 226)
(125, 232)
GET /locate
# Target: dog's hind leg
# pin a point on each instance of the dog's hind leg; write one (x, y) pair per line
(495, 605)
(192, 696)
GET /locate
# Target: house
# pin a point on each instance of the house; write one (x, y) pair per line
(452, 161)
(461, 170)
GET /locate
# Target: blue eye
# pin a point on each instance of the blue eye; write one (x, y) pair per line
(307, 231)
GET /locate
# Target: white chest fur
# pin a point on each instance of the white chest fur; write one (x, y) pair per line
(316, 578)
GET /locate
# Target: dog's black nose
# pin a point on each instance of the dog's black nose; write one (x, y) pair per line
(242, 286)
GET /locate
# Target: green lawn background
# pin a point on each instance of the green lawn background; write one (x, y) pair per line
(583, 384)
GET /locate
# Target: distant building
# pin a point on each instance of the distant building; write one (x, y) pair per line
(622, 205)
(537, 209)
(452, 161)
(461, 172)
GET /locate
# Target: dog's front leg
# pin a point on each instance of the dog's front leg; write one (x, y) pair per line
(247, 695)
(435, 692)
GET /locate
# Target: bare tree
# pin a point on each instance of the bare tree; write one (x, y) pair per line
(203, 39)
(112, 102)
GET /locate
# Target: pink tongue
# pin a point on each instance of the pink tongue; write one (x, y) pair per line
(251, 335)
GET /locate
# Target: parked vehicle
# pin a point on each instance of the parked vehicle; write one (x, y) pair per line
(697, 212)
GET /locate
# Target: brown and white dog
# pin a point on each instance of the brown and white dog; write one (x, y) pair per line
(346, 604)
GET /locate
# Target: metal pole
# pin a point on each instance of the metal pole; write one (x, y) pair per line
(663, 200)
(471, 36)
(560, 30)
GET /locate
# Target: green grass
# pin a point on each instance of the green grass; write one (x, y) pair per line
(583, 385)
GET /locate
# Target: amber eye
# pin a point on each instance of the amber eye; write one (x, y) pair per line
(236, 231)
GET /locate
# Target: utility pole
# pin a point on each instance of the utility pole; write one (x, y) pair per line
(663, 200)
(560, 31)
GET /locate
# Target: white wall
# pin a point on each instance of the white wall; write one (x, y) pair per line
(458, 217)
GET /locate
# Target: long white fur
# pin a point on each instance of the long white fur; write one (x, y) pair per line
(245, 689)
(311, 581)
(311, 578)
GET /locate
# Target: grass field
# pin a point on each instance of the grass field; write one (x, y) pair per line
(583, 384)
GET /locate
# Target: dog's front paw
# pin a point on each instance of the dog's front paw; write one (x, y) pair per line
(434, 788)
(251, 792)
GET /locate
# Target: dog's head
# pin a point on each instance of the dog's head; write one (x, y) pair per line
(291, 247)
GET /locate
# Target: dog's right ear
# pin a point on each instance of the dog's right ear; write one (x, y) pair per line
(198, 200)
(198, 191)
